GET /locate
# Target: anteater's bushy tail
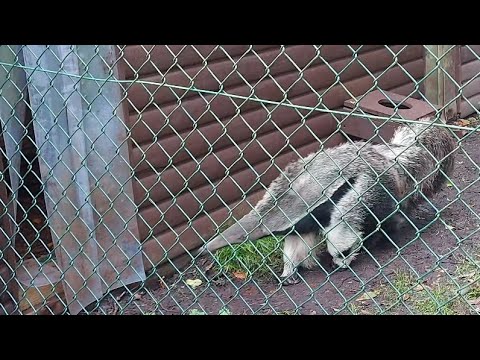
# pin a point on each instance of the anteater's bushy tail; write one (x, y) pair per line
(423, 151)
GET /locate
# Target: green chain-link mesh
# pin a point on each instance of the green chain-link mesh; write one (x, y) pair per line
(106, 147)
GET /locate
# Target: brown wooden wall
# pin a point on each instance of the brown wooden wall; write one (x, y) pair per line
(470, 70)
(197, 156)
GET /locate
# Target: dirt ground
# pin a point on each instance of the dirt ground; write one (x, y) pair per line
(376, 271)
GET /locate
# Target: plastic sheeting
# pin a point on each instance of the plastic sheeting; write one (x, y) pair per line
(84, 164)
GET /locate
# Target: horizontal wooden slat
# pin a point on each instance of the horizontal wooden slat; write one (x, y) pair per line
(148, 59)
(405, 90)
(468, 55)
(153, 189)
(239, 128)
(320, 125)
(202, 228)
(180, 118)
(472, 88)
(193, 113)
(470, 70)
(334, 98)
(213, 168)
(251, 69)
(466, 109)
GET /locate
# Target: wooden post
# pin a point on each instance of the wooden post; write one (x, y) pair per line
(441, 60)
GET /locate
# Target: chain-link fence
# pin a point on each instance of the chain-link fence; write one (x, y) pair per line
(119, 163)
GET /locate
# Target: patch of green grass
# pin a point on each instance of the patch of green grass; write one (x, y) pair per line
(447, 293)
(468, 272)
(353, 309)
(436, 302)
(468, 276)
(401, 286)
(474, 293)
(403, 282)
(406, 291)
(468, 268)
(252, 257)
(395, 295)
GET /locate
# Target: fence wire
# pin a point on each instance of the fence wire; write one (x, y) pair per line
(120, 162)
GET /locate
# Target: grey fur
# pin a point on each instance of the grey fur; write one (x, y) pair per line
(378, 175)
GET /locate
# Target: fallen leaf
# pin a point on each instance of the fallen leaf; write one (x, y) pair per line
(449, 184)
(193, 283)
(468, 275)
(405, 297)
(368, 295)
(208, 267)
(137, 296)
(449, 227)
(240, 275)
(464, 122)
(419, 288)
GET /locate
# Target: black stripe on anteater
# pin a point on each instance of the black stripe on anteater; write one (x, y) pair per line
(383, 209)
(321, 215)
